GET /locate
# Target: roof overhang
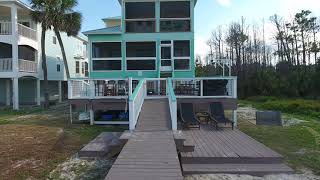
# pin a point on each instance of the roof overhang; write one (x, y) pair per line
(120, 1)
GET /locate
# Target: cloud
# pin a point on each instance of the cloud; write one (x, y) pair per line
(225, 3)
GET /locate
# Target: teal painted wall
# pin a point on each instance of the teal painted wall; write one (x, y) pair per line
(133, 37)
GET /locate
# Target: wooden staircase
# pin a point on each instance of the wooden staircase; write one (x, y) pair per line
(154, 116)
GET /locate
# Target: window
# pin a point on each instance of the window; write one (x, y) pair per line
(77, 67)
(86, 69)
(106, 56)
(83, 67)
(181, 55)
(175, 16)
(54, 40)
(141, 56)
(58, 68)
(140, 17)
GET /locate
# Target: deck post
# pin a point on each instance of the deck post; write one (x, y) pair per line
(60, 91)
(38, 92)
(15, 97)
(235, 118)
(71, 117)
(8, 94)
(91, 116)
(201, 88)
(131, 116)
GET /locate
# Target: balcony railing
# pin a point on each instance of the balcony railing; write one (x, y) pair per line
(6, 65)
(5, 28)
(27, 32)
(28, 66)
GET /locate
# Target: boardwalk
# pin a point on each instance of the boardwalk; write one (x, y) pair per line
(147, 155)
(150, 152)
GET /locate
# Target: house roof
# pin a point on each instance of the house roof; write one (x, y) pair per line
(195, 1)
(107, 30)
(112, 18)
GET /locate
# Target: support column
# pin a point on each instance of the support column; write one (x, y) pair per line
(38, 87)
(15, 92)
(14, 20)
(60, 91)
(8, 93)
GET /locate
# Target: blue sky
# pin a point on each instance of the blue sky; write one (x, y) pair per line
(208, 14)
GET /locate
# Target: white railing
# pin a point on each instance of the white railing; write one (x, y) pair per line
(172, 104)
(79, 89)
(27, 32)
(5, 28)
(215, 87)
(135, 103)
(6, 65)
(28, 66)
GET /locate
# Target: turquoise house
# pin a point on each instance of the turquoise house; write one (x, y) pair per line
(151, 39)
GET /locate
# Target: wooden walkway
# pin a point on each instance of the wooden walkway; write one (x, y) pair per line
(147, 155)
(150, 152)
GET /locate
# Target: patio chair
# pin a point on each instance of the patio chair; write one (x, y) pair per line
(216, 112)
(188, 117)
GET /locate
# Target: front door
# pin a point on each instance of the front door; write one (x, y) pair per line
(166, 57)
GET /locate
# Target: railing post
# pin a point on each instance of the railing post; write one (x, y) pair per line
(92, 89)
(130, 86)
(235, 94)
(131, 116)
(201, 88)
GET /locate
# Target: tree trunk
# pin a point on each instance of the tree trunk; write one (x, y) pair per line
(44, 68)
(66, 67)
(303, 48)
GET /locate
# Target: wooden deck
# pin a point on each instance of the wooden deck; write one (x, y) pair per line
(147, 155)
(229, 151)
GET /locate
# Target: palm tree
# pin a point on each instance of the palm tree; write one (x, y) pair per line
(65, 19)
(41, 14)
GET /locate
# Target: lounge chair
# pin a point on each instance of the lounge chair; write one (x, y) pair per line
(188, 117)
(216, 113)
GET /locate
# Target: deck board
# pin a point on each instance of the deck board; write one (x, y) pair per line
(225, 143)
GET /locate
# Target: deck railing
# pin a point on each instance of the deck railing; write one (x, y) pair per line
(28, 66)
(5, 28)
(6, 65)
(27, 32)
(214, 87)
(172, 104)
(111, 88)
(135, 103)
(79, 89)
(156, 87)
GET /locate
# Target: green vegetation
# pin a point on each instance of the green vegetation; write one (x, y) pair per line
(310, 108)
(300, 143)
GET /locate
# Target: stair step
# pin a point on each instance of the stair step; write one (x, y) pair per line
(187, 159)
(250, 169)
(102, 145)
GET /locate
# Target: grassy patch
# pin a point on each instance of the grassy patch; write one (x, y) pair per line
(31, 137)
(299, 144)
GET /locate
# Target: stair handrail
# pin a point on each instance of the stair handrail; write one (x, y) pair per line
(136, 101)
(172, 104)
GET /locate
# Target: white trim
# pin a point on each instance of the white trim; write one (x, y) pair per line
(111, 122)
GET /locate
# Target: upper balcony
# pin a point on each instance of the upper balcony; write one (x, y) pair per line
(27, 59)
(19, 19)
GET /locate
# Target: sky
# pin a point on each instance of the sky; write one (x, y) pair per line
(208, 14)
